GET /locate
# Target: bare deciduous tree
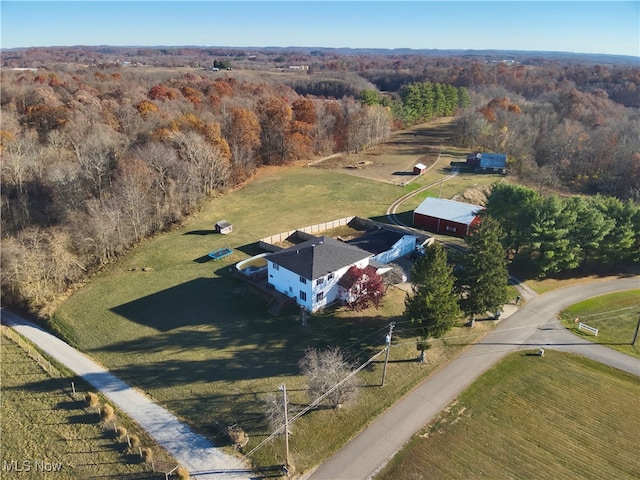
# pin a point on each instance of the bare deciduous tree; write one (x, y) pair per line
(132, 190)
(207, 165)
(327, 370)
(274, 411)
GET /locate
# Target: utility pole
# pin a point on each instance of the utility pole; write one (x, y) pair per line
(635, 335)
(386, 358)
(283, 387)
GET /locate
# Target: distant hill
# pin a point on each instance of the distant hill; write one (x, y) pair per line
(82, 54)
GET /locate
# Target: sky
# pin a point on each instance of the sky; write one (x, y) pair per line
(610, 27)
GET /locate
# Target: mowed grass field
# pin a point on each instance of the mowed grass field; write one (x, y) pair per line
(189, 334)
(559, 416)
(48, 434)
(616, 317)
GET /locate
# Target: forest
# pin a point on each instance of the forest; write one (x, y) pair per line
(103, 147)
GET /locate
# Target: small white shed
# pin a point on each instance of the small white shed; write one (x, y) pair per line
(419, 168)
(224, 227)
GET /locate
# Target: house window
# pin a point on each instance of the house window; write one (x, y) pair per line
(320, 281)
(452, 229)
(319, 297)
(303, 280)
(303, 296)
(276, 266)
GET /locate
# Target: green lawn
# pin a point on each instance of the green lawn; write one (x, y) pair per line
(560, 417)
(46, 427)
(191, 336)
(615, 316)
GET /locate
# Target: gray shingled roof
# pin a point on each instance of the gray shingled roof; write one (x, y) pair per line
(376, 241)
(318, 257)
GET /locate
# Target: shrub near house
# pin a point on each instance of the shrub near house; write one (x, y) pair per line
(361, 287)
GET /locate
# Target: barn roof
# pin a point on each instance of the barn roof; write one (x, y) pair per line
(448, 210)
(318, 257)
(493, 160)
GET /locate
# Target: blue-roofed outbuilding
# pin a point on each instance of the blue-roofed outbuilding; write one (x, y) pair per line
(496, 162)
(488, 162)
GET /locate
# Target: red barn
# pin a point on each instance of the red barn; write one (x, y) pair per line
(446, 216)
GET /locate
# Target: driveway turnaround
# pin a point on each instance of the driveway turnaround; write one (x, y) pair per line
(192, 451)
(532, 326)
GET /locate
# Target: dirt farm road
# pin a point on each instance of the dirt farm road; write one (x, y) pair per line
(192, 451)
(532, 326)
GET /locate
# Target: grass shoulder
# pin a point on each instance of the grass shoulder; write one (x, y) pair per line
(615, 315)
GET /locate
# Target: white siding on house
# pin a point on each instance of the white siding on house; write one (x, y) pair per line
(330, 288)
(288, 283)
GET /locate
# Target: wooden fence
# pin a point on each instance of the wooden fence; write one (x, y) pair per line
(268, 243)
(44, 363)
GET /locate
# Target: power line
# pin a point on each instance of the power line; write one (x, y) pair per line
(312, 405)
(609, 311)
(595, 320)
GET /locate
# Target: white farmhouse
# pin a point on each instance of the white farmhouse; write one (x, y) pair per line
(310, 271)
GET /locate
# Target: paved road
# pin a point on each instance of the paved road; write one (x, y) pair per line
(532, 326)
(193, 451)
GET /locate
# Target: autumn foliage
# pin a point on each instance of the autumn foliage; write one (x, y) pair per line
(96, 156)
(362, 287)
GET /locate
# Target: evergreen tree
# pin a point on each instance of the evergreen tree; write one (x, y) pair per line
(451, 98)
(369, 97)
(590, 228)
(513, 206)
(483, 278)
(551, 248)
(621, 244)
(464, 100)
(433, 303)
(440, 101)
(426, 100)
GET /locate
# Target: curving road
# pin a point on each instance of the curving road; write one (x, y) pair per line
(532, 326)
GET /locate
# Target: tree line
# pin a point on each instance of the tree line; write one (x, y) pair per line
(420, 102)
(95, 160)
(550, 234)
